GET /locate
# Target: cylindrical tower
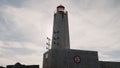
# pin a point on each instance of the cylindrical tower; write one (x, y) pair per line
(60, 38)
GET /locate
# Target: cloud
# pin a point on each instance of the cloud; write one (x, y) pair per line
(23, 34)
(11, 3)
(24, 26)
(12, 52)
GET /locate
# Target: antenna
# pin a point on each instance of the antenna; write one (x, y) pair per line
(48, 43)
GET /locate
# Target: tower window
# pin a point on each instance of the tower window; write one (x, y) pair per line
(54, 42)
(56, 38)
(46, 55)
(56, 32)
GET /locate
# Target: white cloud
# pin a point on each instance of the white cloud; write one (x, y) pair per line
(30, 52)
(30, 23)
(94, 25)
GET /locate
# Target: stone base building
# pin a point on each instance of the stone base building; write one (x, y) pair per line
(61, 56)
(69, 58)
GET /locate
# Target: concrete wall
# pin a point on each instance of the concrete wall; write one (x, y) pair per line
(108, 64)
(66, 59)
(60, 37)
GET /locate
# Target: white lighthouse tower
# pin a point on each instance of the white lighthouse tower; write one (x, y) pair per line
(60, 55)
(60, 39)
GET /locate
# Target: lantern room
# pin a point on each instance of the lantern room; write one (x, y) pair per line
(60, 9)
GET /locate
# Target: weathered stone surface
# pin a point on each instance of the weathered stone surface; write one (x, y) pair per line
(108, 64)
(58, 58)
(60, 38)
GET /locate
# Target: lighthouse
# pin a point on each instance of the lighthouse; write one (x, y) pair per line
(60, 38)
(60, 55)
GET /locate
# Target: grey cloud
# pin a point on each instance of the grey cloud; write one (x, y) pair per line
(94, 24)
(113, 54)
(12, 52)
(15, 3)
(114, 3)
(16, 26)
(96, 4)
(20, 51)
(8, 31)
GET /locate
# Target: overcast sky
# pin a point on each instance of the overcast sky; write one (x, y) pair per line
(25, 24)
